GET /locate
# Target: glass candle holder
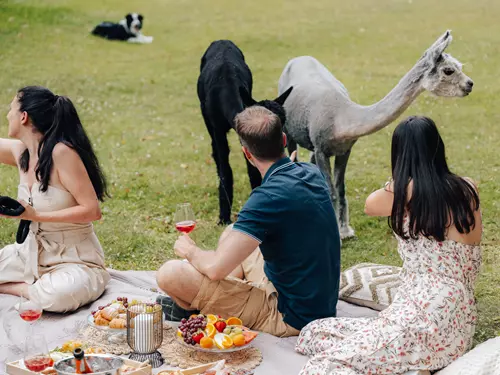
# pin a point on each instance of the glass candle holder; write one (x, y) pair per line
(145, 332)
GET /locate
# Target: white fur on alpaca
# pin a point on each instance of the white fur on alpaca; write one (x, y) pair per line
(322, 118)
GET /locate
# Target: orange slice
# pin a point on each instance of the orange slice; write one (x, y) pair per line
(234, 321)
(223, 341)
(211, 318)
(210, 330)
(179, 333)
(193, 316)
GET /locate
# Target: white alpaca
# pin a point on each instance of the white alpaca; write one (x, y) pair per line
(322, 118)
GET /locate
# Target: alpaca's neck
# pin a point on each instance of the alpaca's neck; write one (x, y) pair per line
(363, 120)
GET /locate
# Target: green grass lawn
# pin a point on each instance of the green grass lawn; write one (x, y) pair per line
(139, 105)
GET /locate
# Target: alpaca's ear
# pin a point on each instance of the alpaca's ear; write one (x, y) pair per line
(440, 40)
(435, 51)
(282, 98)
(447, 38)
(246, 98)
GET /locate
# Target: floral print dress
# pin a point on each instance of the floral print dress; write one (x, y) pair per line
(429, 324)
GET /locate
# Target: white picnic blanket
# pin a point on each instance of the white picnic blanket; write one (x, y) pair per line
(279, 356)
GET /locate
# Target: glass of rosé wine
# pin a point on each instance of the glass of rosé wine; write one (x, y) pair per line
(36, 356)
(29, 311)
(184, 218)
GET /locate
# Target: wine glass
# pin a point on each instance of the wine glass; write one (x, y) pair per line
(29, 311)
(184, 218)
(36, 355)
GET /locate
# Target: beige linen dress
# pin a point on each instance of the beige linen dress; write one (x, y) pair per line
(62, 262)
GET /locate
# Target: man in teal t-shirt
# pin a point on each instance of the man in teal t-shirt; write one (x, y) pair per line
(278, 267)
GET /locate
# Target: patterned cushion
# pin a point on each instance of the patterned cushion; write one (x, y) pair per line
(370, 285)
(484, 359)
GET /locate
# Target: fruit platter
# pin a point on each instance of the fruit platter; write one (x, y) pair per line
(211, 333)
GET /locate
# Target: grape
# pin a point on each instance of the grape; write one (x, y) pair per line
(191, 327)
(119, 298)
(125, 305)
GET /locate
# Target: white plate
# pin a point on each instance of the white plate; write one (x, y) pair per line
(214, 349)
(90, 320)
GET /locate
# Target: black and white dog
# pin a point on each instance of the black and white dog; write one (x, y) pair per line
(128, 29)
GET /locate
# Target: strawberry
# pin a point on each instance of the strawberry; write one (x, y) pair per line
(220, 325)
(197, 338)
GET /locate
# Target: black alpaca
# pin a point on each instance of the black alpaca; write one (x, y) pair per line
(224, 90)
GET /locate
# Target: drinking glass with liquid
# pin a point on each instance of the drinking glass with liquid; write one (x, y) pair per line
(184, 218)
(36, 354)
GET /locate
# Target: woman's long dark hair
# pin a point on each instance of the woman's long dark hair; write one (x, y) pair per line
(55, 117)
(439, 198)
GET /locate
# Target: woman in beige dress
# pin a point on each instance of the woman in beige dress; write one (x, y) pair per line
(60, 264)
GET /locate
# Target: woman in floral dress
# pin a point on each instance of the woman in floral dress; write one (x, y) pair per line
(436, 218)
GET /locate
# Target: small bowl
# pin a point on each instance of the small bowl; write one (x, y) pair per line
(101, 364)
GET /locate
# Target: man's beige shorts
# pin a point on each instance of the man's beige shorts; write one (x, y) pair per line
(253, 300)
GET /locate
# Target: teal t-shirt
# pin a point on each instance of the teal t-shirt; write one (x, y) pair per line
(292, 216)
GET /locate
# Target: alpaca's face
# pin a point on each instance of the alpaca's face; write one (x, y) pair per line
(446, 78)
(443, 73)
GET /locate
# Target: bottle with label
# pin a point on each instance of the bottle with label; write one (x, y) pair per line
(81, 365)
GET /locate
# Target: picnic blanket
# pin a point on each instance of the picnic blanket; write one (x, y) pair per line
(278, 354)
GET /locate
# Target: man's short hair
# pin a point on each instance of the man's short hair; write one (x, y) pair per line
(261, 132)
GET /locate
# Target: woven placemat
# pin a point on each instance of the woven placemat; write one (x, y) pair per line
(174, 353)
(98, 338)
(177, 355)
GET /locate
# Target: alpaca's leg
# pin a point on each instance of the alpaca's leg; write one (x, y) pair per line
(254, 175)
(323, 163)
(220, 153)
(340, 167)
